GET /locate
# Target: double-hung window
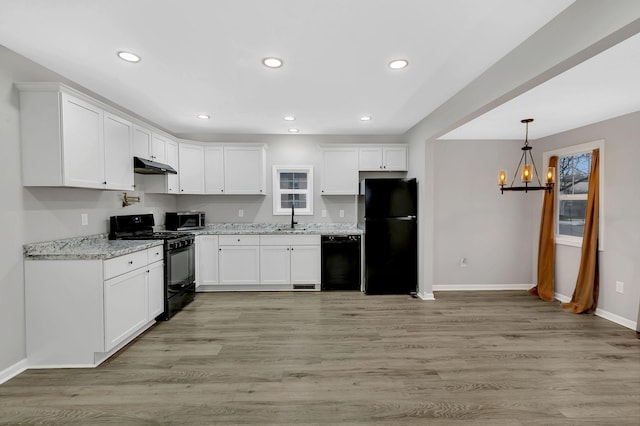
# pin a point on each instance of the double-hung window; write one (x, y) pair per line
(293, 187)
(572, 187)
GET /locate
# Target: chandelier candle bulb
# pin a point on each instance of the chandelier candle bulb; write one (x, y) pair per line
(526, 173)
(551, 175)
(502, 177)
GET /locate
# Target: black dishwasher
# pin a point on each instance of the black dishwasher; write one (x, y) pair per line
(341, 262)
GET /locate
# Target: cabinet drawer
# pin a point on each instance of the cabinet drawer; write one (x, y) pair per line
(155, 254)
(239, 240)
(120, 265)
(290, 240)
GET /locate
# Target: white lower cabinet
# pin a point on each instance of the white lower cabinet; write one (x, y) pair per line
(79, 312)
(239, 259)
(206, 260)
(155, 281)
(125, 306)
(257, 262)
(275, 264)
(290, 259)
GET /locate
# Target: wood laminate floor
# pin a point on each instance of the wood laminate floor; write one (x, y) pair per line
(472, 358)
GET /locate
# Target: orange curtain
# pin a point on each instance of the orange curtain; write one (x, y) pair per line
(585, 295)
(546, 245)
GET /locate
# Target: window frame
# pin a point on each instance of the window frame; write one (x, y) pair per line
(568, 240)
(278, 210)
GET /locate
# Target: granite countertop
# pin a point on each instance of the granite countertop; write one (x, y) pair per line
(100, 247)
(279, 229)
(85, 248)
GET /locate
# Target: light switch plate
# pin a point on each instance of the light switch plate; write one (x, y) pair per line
(241, 213)
(85, 219)
(341, 213)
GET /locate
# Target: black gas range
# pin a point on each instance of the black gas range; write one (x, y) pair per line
(179, 257)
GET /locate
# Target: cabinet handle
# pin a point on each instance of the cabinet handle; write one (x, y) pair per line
(238, 239)
(104, 183)
(222, 190)
(131, 262)
(182, 190)
(219, 249)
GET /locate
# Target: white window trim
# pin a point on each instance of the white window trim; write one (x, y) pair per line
(277, 210)
(573, 150)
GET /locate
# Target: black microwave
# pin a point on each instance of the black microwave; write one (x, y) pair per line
(184, 221)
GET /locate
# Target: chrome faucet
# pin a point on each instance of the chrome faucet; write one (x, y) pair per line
(292, 214)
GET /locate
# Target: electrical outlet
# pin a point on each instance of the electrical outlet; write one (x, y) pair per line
(341, 213)
(241, 213)
(619, 287)
(324, 213)
(85, 219)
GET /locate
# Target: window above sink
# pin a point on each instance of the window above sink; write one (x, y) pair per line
(293, 187)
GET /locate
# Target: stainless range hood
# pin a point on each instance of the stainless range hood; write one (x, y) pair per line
(148, 167)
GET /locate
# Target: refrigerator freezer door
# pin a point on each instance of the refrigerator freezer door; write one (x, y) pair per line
(391, 256)
(385, 198)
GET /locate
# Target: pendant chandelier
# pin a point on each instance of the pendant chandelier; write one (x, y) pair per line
(528, 168)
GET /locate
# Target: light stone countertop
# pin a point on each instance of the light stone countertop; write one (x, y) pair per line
(279, 229)
(100, 247)
(89, 247)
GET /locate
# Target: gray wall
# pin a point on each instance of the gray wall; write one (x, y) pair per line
(281, 150)
(620, 257)
(474, 221)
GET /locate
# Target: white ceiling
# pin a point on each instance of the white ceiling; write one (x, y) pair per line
(603, 87)
(204, 56)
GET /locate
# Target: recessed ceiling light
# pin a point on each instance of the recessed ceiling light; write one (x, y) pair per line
(288, 118)
(129, 57)
(203, 116)
(366, 118)
(272, 62)
(294, 130)
(398, 64)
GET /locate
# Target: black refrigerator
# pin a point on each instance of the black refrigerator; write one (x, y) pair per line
(389, 209)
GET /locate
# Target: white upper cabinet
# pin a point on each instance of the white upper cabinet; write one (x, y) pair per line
(83, 143)
(159, 148)
(141, 142)
(214, 170)
(245, 169)
(118, 154)
(339, 170)
(172, 160)
(70, 140)
(387, 158)
(191, 159)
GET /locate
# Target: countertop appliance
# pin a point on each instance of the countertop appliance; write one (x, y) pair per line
(389, 210)
(179, 258)
(183, 221)
(341, 262)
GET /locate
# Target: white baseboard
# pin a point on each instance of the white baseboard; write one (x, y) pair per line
(426, 296)
(481, 287)
(602, 313)
(13, 370)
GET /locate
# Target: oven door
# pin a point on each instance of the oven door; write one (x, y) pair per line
(180, 269)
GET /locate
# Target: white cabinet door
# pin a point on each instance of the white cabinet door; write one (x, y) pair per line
(214, 170)
(191, 169)
(244, 170)
(125, 306)
(305, 264)
(83, 141)
(339, 171)
(141, 142)
(239, 264)
(275, 265)
(206, 260)
(118, 153)
(172, 160)
(155, 288)
(395, 158)
(158, 148)
(370, 158)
